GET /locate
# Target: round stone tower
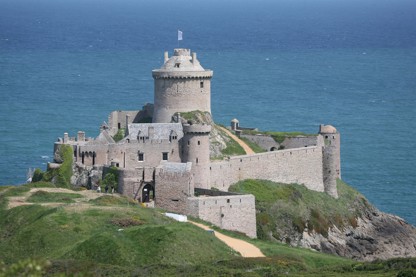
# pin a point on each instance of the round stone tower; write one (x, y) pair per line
(181, 85)
(331, 158)
(195, 149)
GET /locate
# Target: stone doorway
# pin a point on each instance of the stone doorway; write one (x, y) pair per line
(148, 193)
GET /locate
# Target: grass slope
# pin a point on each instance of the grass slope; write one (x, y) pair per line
(282, 208)
(115, 237)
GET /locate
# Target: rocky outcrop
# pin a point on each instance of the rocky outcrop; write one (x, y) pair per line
(85, 176)
(377, 235)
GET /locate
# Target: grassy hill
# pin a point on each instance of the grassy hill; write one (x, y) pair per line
(80, 233)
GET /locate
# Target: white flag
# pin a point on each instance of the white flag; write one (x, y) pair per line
(180, 35)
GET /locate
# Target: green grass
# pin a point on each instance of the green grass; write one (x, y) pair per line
(279, 137)
(115, 239)
(61, 176)
(109, 200)
(232, 148)
(119, 135)
(197, 117)
(254, 146)
(294, 207)
(94, 236)
(48, 197)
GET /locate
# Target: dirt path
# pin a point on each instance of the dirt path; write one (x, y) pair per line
(247, 250)
(15, 201)
(239, 141)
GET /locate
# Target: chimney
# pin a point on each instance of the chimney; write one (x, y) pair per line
(126, 131)
(193, 57)
(66, 137)
(81, 136)
(166, 56)
(150, 132)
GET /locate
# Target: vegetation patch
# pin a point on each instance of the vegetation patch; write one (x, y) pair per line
(232, 147)
(109, 200)
(126, 222)
(132, 241)
(120, 134)
(61, 176)
(279, 137)
(254, 146)
(196, 117)
(48, 197)
(283, 207)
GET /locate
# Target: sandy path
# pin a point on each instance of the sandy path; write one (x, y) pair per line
(239, 141)
(246, 249)
(15, 201)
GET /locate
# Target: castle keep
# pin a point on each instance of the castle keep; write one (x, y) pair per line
(164, 159)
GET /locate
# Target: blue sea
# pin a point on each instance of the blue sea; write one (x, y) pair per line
(284, 65)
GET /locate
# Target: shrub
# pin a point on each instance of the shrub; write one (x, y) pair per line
(120, 135)
(61, 176)
(407, 273)
(37, 175)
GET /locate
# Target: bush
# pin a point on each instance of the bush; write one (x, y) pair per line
(37, 175)
(120, 135)
(407, 273)
(61, 176)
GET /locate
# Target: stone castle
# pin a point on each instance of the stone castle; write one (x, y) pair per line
(164, 160)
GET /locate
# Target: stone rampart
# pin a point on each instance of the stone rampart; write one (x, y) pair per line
(302, 141)
(301, 166)
(230, 212)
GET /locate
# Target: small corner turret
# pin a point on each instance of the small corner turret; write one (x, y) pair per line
(331, 156)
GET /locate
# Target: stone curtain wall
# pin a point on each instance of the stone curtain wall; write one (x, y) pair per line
(231, 212)
(302, 141)
(301, 166)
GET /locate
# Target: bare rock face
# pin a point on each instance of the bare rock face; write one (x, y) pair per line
(217, 143)
(85, 176)
(377, 236)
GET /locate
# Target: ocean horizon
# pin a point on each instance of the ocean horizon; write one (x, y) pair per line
(278, 65)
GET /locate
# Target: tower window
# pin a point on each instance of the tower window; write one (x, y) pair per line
(141, 157)
(165, 156)
(201, 84)
(199, 143)
(177, 65)
(197, 160)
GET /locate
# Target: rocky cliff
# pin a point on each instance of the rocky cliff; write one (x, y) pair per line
(349, 226)
(377, 235)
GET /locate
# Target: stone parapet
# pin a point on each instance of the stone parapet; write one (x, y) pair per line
(159, 74)
(196, 129)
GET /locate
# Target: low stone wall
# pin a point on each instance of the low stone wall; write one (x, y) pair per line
(230, 212)
(301, 166)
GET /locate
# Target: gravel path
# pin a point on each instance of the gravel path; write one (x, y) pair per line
(239, 141)
(247, 250)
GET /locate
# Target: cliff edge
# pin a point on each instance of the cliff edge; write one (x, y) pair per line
(349, 226)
